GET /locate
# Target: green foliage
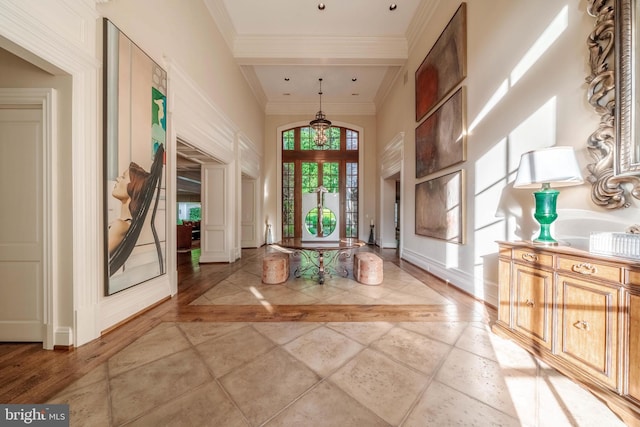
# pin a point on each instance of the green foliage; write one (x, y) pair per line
(194, 214)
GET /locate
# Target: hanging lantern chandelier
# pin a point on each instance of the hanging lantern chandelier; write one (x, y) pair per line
(320, 124)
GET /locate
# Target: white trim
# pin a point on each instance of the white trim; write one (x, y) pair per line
(197, 119)
(391, 163)
(456, 277)
(392, 155)
(45, 98)
(331, 50)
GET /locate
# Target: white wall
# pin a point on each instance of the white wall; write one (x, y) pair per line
(546, 106)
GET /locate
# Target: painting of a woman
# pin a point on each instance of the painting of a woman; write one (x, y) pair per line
(135, 189)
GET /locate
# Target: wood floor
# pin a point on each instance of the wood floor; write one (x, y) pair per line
(29, 374)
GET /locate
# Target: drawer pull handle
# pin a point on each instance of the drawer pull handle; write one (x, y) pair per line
(529, 303)
(530, 257)
(582, 324)
(584, 268)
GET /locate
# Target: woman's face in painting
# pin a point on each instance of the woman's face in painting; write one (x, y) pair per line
(120, 189)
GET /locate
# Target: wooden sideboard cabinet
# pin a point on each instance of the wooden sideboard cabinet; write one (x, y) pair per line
(580, 313)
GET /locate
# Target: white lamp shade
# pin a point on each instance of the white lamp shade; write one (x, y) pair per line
(556, 166)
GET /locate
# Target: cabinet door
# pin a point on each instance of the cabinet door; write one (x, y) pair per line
(634, 346)
(589, 327)
(504, 292)
(533, 304)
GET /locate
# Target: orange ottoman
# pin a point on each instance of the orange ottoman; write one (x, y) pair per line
(367, 268)
(275, 268)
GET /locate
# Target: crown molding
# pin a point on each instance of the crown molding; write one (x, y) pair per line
(389, 79)
(310, 109)
(220, 16)
(355, 50)
(250, 76)
(420, 21)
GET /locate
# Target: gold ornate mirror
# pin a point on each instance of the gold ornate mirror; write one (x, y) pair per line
(613, 94)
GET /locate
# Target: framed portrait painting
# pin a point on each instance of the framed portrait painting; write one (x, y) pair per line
(445, 66)
(440, 209)
(135, 137)
(441, 137)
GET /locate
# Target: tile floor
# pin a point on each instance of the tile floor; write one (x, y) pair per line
(327, 373)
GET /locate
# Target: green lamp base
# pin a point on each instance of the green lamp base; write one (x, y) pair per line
(545, 214)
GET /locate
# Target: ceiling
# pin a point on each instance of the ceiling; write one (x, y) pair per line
(283, 47)
(358, 48)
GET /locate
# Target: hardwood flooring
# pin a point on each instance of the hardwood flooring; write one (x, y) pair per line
(30, 374)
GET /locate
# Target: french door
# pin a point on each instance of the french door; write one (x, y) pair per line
(304, 169)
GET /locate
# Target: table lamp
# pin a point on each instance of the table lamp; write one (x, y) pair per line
(544, 168)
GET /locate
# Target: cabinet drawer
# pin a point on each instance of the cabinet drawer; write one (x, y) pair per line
(533, 258)
(589, 269)
(588, 327)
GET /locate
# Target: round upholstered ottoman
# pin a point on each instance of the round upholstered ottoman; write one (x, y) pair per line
(367, 268)
(275, 268)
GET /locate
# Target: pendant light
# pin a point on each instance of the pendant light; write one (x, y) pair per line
(320, 124)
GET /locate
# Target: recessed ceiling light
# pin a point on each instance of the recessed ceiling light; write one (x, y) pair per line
(393, 6)
(321, 6)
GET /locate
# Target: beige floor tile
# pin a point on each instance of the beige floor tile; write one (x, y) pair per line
(326, 406)
(401, 298)
(443, 406)
(477, 339)
(447, 332)
(565, 403)
(412, 349)
(381, 384)
(199, 332)
(206, 405)
(244, 279)
(96, 375)
(222, 289)
(244, 297)
(363, 332)
(268, 384)
(298, 284)
(322, 292)
(137, 391)
(351, 298)
(419, 289)
(282, 295)
(376, 292)
(513, 357)
(88, 405)
(283, 332)
(234, 349)
(477, 377)
(323, 350)
(163, 340)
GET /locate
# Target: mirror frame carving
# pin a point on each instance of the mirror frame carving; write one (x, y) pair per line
(610, 80)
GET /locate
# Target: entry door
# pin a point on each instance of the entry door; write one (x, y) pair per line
(21, 225)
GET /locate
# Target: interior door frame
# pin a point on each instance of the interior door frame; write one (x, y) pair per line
(44, 98)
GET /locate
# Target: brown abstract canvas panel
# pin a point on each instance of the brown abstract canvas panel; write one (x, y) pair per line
(441, 138)
(439, 208)
(445, 66)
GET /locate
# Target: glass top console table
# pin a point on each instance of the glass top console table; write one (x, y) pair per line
(319, 256)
